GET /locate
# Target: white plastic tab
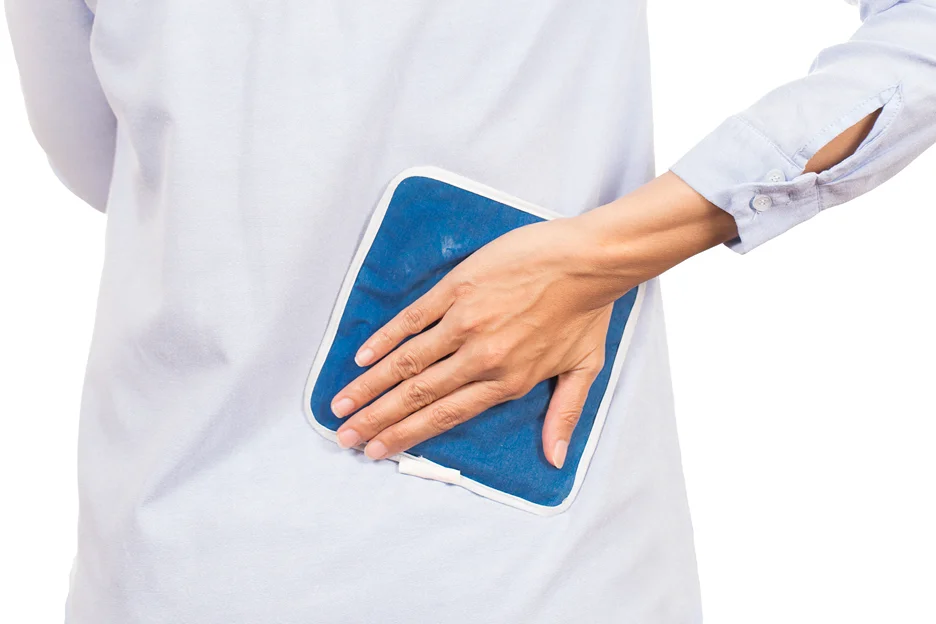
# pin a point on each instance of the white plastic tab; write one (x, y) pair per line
(428, 470)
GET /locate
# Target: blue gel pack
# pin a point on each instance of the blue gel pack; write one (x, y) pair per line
(427, 222)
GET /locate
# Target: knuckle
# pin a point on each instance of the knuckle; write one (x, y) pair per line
(468, 322)
(463, 289)
(366, 388)
(381, 338)
(394, 439)
(492, 357)
(417, 395)
(569, 417)
(370, 421)
(510, 389)
(412, 319)
(407, 365)
(443, 417)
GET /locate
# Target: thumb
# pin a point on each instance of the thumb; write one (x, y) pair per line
(565, 408)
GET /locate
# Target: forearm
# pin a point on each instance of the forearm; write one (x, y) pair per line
(651, 230)
(666, 221)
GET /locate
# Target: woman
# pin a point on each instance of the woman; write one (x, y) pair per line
(239, 150)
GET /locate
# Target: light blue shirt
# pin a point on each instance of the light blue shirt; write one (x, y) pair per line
(752, 164)
(239, 148)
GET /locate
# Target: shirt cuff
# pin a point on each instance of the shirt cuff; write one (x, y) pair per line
(745, 174)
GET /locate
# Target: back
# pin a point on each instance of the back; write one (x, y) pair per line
(254, 139)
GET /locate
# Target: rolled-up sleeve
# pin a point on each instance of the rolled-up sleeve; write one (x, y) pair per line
(752, 165)
(67, 109)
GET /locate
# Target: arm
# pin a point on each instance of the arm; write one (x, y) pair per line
(798, 150)
(666, 221)
(534, 304)
(67, 109)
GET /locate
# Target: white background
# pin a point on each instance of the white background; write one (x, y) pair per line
(803, 370)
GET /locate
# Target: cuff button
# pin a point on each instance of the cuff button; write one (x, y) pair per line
(775, 176)
(761, 203)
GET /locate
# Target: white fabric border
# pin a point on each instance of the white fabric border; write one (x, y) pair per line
(345, 292)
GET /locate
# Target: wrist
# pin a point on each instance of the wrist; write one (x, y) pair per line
(652, 229)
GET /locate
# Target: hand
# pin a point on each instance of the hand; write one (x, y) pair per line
(528, 306)
(531, 305)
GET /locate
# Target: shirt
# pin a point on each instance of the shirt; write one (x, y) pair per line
(238, 149)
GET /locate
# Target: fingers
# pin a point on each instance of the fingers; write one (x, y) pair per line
(565, 409)
(407, 398)
(459, 406)
(410, 320)
(406, 362)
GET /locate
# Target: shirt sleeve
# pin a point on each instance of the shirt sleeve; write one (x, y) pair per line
(67, 109)
(752, 164)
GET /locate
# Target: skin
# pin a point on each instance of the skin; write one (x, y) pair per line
(531, 305)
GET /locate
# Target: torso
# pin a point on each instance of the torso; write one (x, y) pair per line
(255, 138)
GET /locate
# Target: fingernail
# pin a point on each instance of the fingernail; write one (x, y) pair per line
(375, 449)
(348, 438)
(342, 407)
(364, 357)
(559, 453)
